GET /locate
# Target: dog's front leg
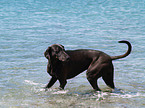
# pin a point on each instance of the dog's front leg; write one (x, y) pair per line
(51, 82)
(62, 82)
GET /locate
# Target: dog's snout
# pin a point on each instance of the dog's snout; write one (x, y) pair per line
(65, 59)
(68, 58)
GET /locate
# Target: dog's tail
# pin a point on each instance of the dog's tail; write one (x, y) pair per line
(126, 54)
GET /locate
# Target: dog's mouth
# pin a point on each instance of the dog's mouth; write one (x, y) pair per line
(67, 59)
(63, 59)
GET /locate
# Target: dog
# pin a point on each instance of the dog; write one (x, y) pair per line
(66, 64)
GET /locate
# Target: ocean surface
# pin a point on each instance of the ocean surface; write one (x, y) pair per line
(28, 27)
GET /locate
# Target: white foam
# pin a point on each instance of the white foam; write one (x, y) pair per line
(60, 92)
(128, 95)
(32, 82)
(100, 95)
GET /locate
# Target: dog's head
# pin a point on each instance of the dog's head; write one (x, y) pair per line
(56, 52)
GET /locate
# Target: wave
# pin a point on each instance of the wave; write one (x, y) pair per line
(128, 95)
(33, 83)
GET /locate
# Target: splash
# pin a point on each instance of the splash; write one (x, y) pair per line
(38, 89)
(128, 95)
(61, 92)
(31, 82)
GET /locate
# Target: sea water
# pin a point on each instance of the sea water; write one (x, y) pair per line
(28, 27)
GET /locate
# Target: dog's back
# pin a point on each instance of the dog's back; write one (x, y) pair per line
(81, 59)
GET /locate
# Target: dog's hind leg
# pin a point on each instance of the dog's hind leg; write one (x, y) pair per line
(93, 73)
(93, 83)
(108, 76)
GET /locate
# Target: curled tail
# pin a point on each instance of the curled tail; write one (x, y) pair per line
(126, 54)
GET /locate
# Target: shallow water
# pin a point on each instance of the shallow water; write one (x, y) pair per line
(28, 27)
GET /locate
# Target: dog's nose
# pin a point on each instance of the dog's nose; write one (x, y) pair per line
(67, 59)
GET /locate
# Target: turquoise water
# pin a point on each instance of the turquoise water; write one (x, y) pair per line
(28, 27)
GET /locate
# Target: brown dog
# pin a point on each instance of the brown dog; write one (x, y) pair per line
(63, 65)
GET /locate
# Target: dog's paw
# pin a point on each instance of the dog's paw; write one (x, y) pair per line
(60, 88)
(116, 90)
(45, 89)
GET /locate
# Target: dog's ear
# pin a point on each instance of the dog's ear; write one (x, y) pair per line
(49, 68)
(47, 53)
